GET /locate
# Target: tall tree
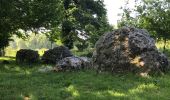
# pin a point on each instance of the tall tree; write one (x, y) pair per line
(27, 15)
(79, 16)
(153, 15)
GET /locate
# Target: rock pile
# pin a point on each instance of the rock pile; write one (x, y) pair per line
(129, 49)
(56, 54)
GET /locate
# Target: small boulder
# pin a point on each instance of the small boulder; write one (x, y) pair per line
(27, 55)
(87, 62)
(56, 54)
(73, 63)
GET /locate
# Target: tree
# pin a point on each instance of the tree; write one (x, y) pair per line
(4, 42)
(155, 15)
(70, 17)
(27, 15)
(79, 15)
(152, 15)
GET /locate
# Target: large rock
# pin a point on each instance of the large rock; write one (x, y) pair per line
(56, 54)
(27, 55)
(129, 49)
(73, 63)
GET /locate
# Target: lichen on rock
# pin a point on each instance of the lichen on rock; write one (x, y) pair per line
(73, 63)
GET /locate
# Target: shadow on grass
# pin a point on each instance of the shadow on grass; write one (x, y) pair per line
(22, 81)
(10, 66)
(82, 85)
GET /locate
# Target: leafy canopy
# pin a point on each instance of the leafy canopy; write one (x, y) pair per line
(27, 15)
(83, 17)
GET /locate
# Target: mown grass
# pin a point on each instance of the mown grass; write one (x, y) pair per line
(21, 81)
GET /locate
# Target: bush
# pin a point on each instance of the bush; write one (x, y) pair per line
(27, 55)
(54, 55)
(88, 52)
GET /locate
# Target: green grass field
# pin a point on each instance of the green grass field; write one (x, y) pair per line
(23, 81)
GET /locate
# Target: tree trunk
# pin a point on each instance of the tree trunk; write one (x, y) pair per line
(2, 52)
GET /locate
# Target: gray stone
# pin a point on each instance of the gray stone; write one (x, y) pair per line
(129, 49)
(45, 69)
(73, 63)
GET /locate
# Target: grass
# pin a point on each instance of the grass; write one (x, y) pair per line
(21, 81)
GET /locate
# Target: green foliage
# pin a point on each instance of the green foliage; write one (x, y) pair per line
(155, 16)
(4, 40)
(34, 41)
(152, 15)
(160, 46)
(88, 52)
(27, 15)
(79, 16)
(18, 82)
(63, 20)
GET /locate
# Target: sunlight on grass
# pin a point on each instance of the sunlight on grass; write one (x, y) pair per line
(18, 69)
(7, 67)
(109, 93)
(99, 94)
(73, 91)
(116, 94)
(7, 58)
(27, 72)
(141, 88)
(28, 97)
(134, 92)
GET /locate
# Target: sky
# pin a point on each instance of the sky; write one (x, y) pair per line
(113, 9)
